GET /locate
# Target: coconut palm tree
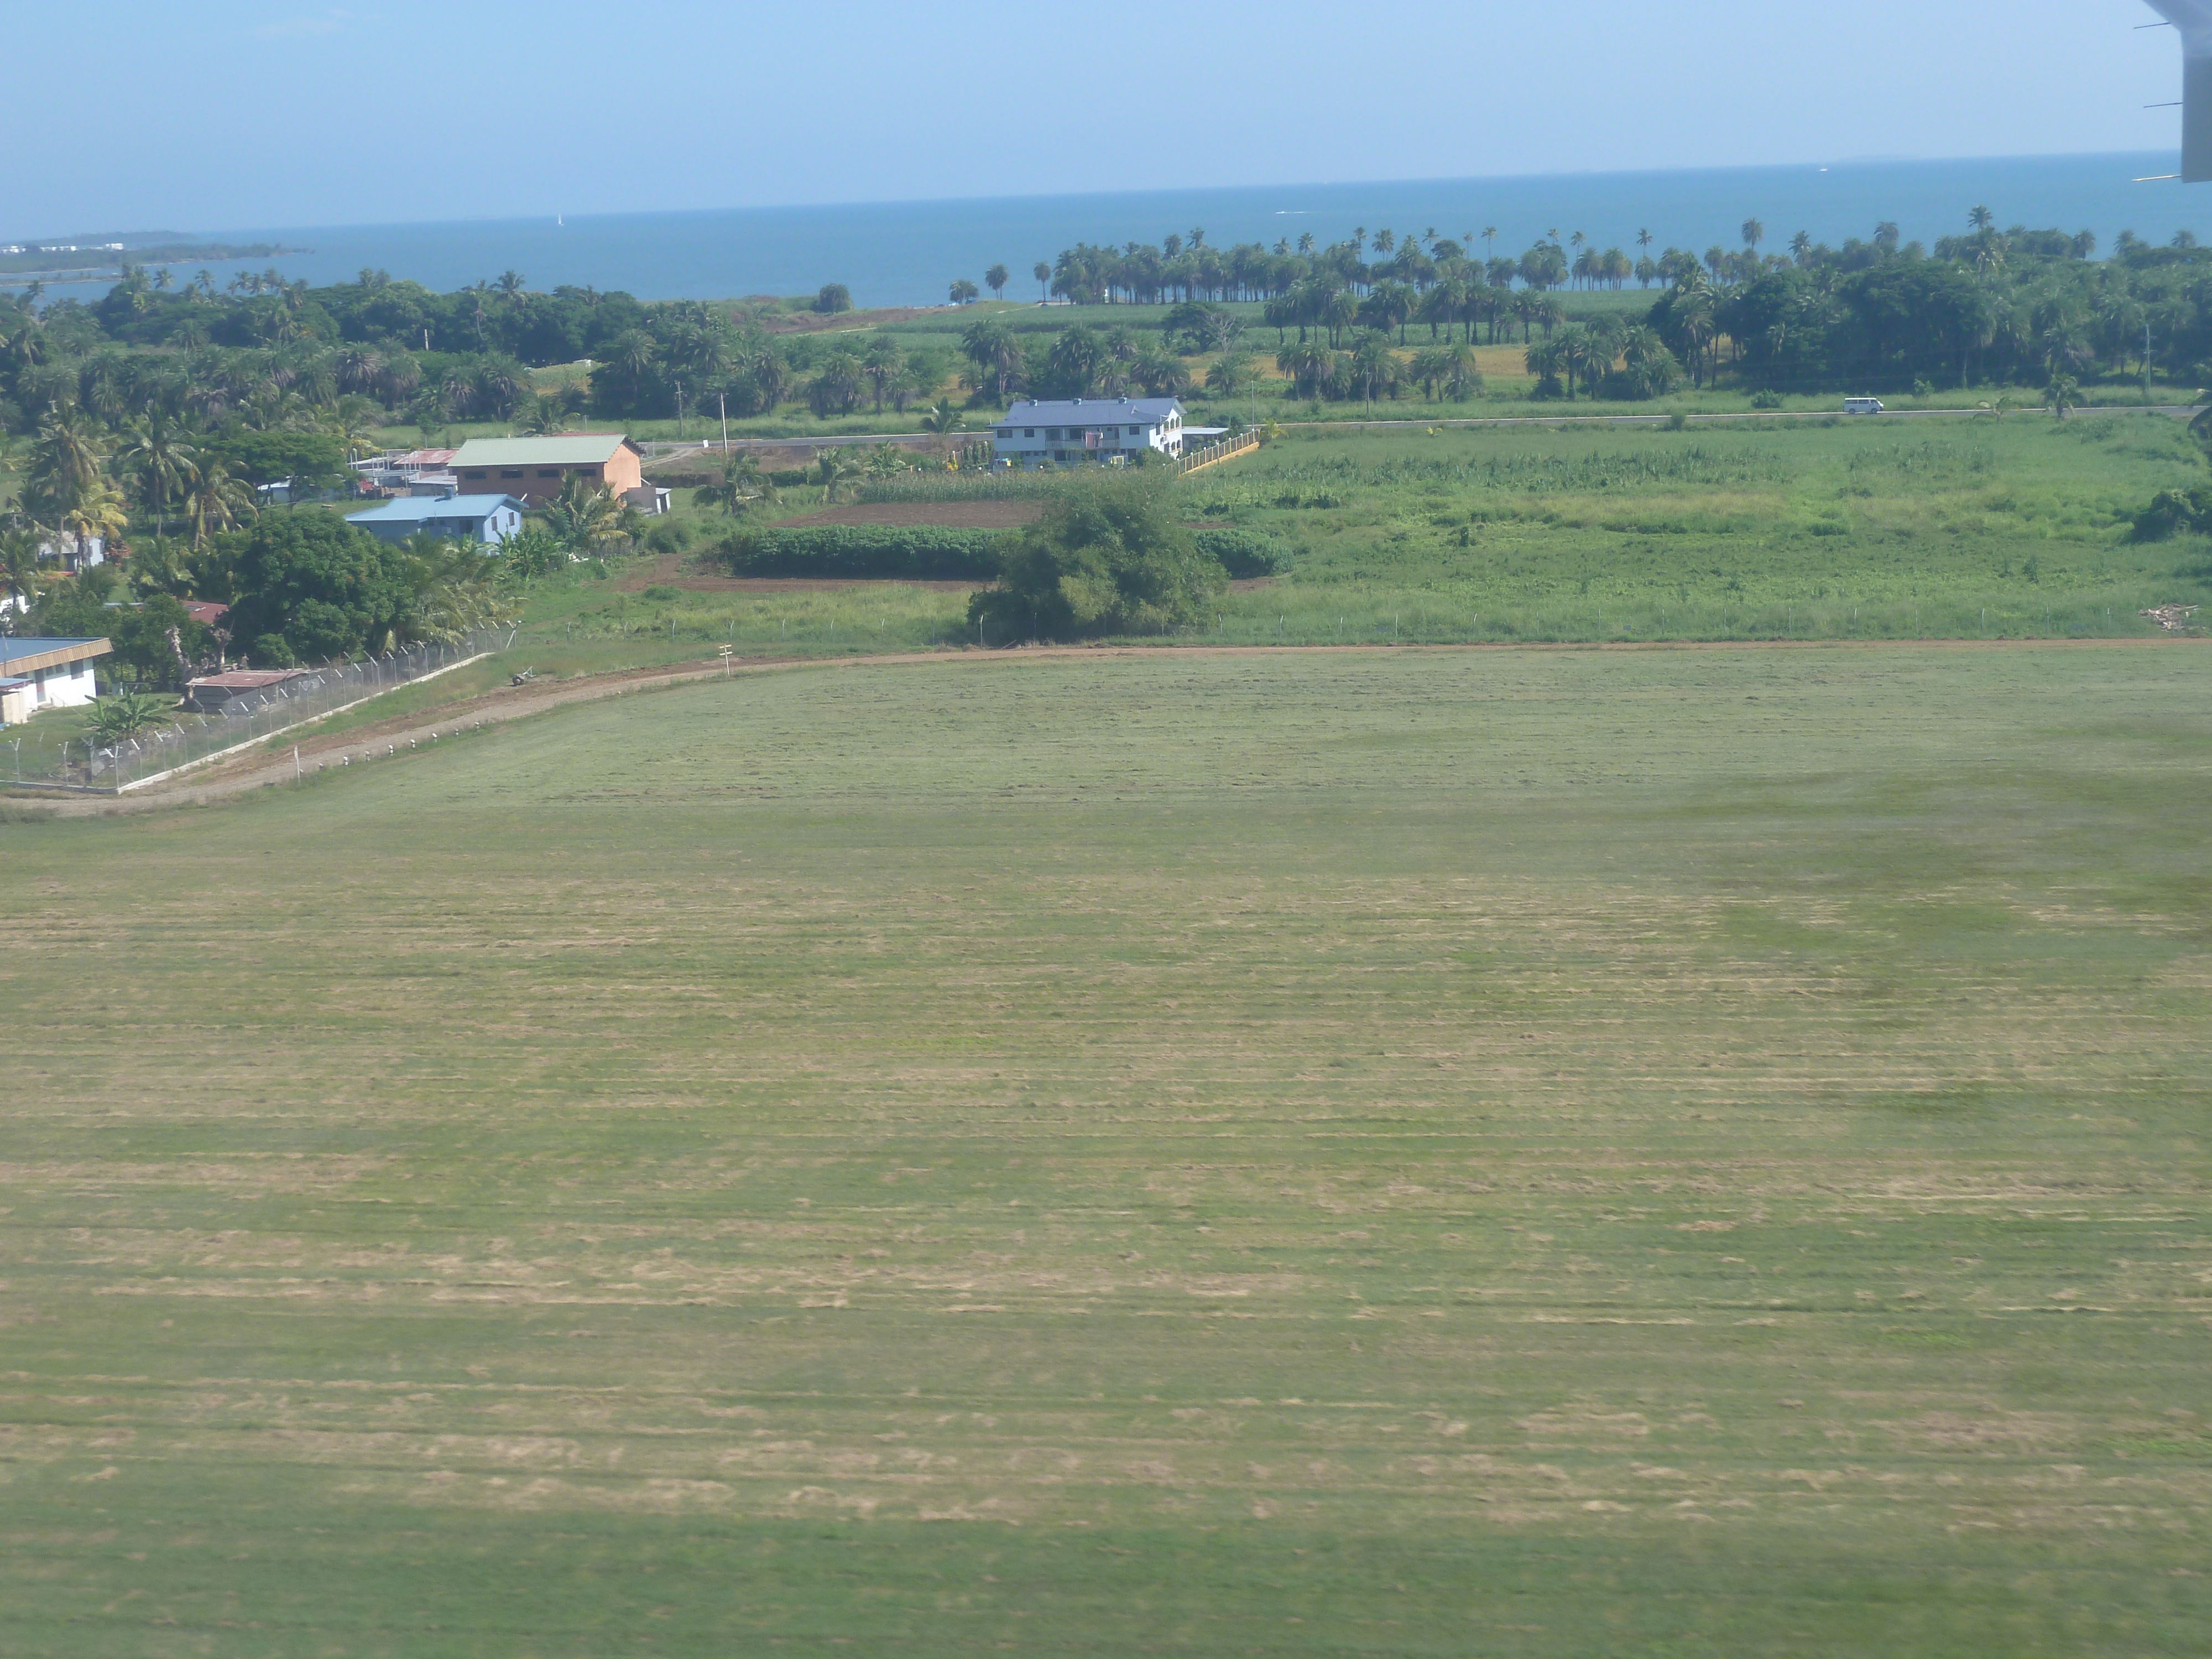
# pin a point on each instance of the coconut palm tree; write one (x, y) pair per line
(218, 501)
(743, 486)
(156, 453)
(98, 511)
(1042, 272)
(832, 468)
(996, 279)
(19, 571)
(584, 518)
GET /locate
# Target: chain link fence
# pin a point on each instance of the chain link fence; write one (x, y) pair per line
(50, 758)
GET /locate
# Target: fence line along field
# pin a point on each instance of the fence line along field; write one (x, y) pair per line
(1517, 1153)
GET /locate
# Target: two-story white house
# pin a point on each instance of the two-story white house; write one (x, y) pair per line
(1088, 431)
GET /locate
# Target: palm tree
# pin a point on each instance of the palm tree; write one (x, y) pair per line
(19, 570)
(1489, 241)
(881, 363)
(218, 501)
(1753, 234)
(1981, 218)
(1801, 246)
(963, 292)
(2065, 393)
(943, 419)
(832, 467)
(996, 279)
(157, 454)
(743, 485)
(1042, 272)
(98, 511)
(63, 460)
(585, 517)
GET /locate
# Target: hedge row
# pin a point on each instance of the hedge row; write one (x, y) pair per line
(936, 553)
(914, 553)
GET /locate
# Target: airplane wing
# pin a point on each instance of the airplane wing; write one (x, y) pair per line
(2192, 19)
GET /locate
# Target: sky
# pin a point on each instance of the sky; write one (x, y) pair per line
(274, 113)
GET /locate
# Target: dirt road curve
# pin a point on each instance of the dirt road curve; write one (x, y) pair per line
(388, 739)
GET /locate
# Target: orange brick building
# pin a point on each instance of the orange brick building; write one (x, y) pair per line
(536, 468)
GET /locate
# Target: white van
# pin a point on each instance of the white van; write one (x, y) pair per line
(1862, 405)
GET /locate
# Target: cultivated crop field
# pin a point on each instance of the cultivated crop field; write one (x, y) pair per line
(1509, 1153)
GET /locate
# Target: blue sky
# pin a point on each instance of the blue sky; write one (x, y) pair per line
(261, 112)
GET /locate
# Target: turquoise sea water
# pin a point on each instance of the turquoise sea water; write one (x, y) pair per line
(905, 253)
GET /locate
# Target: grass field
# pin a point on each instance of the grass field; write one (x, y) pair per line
(1864, 530)
(1508, 1153)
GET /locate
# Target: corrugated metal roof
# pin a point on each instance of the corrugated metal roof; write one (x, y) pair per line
(414, 509)
(570, 449)
(1093, 412)
(245, 679)
(27, 654)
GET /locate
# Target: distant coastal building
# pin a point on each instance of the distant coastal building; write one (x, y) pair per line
(45, 673)
(534, 468)
(1088, 431)
(487, 520)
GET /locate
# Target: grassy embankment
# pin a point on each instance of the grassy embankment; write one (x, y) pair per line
(1524, 1153)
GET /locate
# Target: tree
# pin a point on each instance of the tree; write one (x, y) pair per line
(832, 468)
(881, 363)
(65, 461)
(98, 512)
(155, 453)
(19, 570)
(218, 501)
(2064, 393)
(964, 292)
(313, 588)
(1042, 272)
(996, 279)
(119, 718)
(1753, 234)
(834, 297)
(743, 486)
(584, 518)
(1109, 559)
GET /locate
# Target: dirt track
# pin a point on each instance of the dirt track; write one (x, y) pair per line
(386, 739)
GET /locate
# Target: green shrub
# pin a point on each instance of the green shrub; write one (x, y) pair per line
(2174, 513)
(1107, 560)
(1242, 553)
(914, 553)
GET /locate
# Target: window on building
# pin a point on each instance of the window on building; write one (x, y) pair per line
(511, 472)
(1029, 432)
(473, 475)
(549, 471)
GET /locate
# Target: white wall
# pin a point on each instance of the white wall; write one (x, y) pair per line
(69, 686)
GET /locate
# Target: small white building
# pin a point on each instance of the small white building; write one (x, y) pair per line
(45, 673)
(1087, 431)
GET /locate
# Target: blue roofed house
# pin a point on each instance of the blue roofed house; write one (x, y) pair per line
(486, 520)
(1088, 431)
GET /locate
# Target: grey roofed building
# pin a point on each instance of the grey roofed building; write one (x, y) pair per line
(487, 520)
(1084, 431)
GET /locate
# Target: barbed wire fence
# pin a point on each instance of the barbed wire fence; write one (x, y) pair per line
(82, 763)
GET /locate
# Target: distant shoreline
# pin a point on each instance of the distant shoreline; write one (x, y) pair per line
(15, 274)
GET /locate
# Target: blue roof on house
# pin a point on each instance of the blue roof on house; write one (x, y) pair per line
(1093, 412)
(419, 509)
(16, 648)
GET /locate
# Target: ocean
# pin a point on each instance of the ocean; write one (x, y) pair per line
(901, 253)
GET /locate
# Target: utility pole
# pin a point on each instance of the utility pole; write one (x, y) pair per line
(722, 402)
